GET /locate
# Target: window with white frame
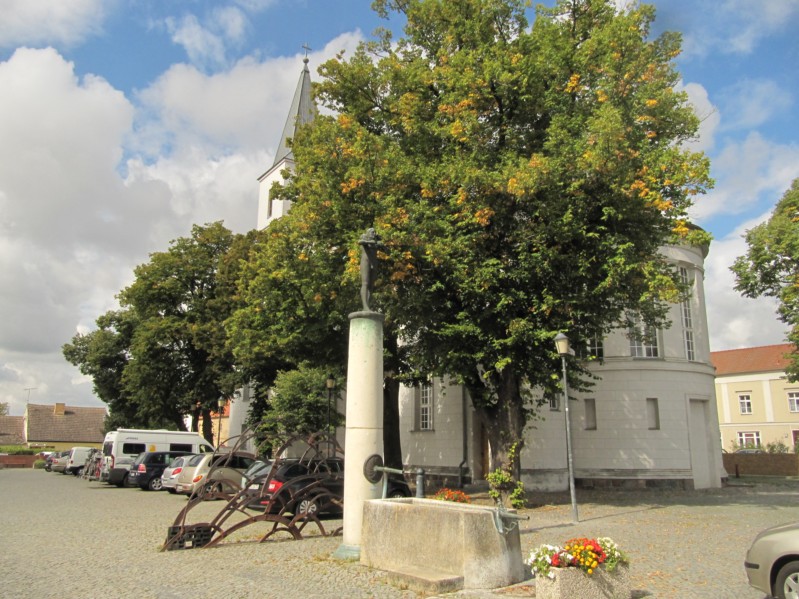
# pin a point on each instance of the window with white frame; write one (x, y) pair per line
(745, 403)
(592, 349)
(793, 401)
(643, 340)
(687, 320)
(425, 403)
(749, 438)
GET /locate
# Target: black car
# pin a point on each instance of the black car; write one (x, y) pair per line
(308, 486)
(147, 468)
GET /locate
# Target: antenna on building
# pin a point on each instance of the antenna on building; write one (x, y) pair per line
(29, 389)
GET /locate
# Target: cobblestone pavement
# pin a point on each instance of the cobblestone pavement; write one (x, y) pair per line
(64, 537)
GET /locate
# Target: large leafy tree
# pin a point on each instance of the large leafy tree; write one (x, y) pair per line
(165, 354)
(102, 355)
(523, 181)
(771, 265)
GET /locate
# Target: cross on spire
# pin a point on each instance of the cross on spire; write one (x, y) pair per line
(307, 49)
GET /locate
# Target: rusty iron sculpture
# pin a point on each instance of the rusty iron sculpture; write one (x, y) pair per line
(283, 508)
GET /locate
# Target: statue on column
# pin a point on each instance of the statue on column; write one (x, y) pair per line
(370, 244)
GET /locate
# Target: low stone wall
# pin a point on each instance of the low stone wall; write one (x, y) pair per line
(764, 464)
(17, 461)
(449, 544)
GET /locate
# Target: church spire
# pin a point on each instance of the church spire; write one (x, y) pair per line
(302, 111)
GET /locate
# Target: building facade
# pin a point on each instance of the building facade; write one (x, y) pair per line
(649, 420)
(756, 403)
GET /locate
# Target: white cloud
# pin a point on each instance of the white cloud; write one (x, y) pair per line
(232, 22)
(203, 47)
(747, 173)
(255, 5)
(756, 20)
(707, 113)
(751, 102)
(50, 22)
(731, 26)
(735, 321)
(244, 107)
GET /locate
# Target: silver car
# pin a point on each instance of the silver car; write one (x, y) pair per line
(772, 562)
(169, 479)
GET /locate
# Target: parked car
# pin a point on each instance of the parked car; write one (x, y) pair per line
(118, 474)
(772, 562)
(147, 468)
(749, 450)
(59, 463)
(309, 486)
(77, 460)
(217, 471)
(169, 479)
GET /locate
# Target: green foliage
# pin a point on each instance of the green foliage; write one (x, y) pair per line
(299, 404)
(165, 353)
(770, 266)
(3, 408)
(17, 450)
(503, 488)
(523, 181)
(777, 447)
(39, 464)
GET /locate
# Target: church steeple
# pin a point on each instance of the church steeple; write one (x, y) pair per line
(301, 112)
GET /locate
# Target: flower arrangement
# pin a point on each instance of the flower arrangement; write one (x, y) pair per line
(454, 495)
(586, 554)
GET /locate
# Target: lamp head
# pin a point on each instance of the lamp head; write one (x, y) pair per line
(562, 344)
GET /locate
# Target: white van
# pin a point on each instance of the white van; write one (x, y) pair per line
(130, 442)
(77, 459)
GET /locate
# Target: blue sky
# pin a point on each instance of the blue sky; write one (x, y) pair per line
(124, 122)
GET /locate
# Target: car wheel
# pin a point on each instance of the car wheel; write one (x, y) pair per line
(397, 495)
(154, 484)
(307, 506)
(78, 472)
(787, 583)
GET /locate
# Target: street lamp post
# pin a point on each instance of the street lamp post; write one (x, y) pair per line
(221, 403)
(562, 345)
(330, 383)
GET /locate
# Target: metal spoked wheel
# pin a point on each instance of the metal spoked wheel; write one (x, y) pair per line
(154, 484)
(787, 583)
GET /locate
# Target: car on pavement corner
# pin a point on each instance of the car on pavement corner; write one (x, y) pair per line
(772, 562)
(169, 479)
(146, 470)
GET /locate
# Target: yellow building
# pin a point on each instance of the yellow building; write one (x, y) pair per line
(755, 402)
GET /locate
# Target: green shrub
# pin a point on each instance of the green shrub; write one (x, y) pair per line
(17, 450)
(39, 464)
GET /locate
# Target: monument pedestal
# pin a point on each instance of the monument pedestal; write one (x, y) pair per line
(364, 436)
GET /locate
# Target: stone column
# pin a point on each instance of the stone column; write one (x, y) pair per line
(364, 430)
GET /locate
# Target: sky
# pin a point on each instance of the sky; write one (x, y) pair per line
(125, 122)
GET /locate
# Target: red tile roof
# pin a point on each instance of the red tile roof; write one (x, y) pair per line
(12, 430)
(75, 425)
(767, 358)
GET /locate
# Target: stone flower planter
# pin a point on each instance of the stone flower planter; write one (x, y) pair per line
(569, 583)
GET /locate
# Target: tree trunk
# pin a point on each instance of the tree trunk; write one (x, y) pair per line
(504, 422)
(208, 427)
(392, 450)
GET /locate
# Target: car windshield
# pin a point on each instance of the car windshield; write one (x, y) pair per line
(257, 468)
